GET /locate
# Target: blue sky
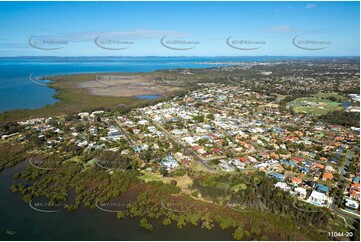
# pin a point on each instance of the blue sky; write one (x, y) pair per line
(136, 28)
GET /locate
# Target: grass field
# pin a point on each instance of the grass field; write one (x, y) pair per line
(249, 170)
(280, 96)
(198, 167)
(314, 105)
(72, 100)
(150, 177)
(183, 182)
(238, 187)
(331, 94)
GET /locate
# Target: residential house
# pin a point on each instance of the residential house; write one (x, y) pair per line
(318, 198)
(316, 175)
(295, 180)
(351, 204)
(318, 166)
(322, 188)
(169, 162)
(304, 170)
(327, 177)
(301, 192)
(355, 191)
(279, 176)
(309, 184)
(283, 186)
(329, 169)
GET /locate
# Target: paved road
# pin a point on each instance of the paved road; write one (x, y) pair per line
(334, 207)
(238, 83)
(187, 151)
(349, 157)
(130, 141)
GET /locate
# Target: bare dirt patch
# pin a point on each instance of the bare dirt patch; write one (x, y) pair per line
(122, 85)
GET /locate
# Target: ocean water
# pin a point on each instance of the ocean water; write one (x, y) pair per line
(84, 223)
(17, 92)
(148, 97)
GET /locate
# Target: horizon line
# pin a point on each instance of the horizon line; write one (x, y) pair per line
(165, 56)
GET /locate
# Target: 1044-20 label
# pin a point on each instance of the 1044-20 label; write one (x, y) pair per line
(340, 234)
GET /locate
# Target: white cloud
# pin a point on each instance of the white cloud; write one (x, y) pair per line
(281, 29)
(216, 39)
(289, 29)
(14, 46)
(309, 6)
(130, 35)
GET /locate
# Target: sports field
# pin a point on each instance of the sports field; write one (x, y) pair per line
(314, 105)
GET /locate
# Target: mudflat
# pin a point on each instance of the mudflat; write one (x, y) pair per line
(123, 85)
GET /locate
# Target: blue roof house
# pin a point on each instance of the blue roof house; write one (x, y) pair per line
(279, 176)
(304, 170)
(169, 162)
(138, 149)
(322, 188)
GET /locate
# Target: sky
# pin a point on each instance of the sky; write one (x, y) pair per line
(179, 29)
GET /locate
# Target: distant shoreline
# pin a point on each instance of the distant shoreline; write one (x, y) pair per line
(258, 56)
(75, 98)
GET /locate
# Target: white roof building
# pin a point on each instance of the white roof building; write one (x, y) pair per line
(283, 186)
(302, 192)
(351, 203)
(317, 198)
(189, 140)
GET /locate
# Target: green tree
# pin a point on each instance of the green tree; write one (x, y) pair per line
(27, 198)
(255, 230)
(145, 224)
(120, 215)
(238, 233)
(181, 221)
(225, 222)
(173, 182)
(194, 194)
(164, 172)
(14, 188)
(356, 230)
(210, 116)
(199, 118)
(264, 238)
(167, 221)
